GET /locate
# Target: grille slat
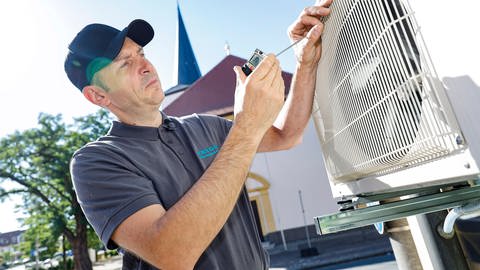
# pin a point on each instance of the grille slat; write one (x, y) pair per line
(375, 94)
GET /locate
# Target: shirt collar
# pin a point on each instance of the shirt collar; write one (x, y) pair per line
(141, 132)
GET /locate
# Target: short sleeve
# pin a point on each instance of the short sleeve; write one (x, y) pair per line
(109, 189)
(218, 123)
(227, 124)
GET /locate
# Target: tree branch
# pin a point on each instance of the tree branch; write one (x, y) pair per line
(30, 189)
(69, 188)
(69, 234)
(59, 192)
(4, 194)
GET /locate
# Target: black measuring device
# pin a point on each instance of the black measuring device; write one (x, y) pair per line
(258, 56)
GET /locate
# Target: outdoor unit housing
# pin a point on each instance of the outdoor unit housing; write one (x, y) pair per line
(393, 121)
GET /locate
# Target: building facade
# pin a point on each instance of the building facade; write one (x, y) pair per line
(9, 243)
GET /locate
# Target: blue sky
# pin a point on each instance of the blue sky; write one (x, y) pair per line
(35, 36)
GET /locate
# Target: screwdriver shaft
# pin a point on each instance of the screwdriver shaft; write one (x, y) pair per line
(291, 45)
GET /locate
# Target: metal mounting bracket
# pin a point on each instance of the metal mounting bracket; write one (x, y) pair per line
(407, 205)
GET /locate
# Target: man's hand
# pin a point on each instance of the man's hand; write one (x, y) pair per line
(260, 96)
(287, 130)
(309, 24)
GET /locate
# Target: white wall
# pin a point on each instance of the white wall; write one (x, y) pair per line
(300, 168)
(451, 36)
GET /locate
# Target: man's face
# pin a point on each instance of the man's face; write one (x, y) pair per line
(131, 79)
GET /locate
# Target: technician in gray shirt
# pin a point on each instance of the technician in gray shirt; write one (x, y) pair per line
(171, 190)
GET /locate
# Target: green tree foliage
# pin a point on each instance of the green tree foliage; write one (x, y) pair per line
(6, 257)
(37, 160)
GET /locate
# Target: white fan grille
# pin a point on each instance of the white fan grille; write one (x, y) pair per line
(379, 107)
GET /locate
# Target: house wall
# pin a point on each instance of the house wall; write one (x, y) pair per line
(287, 172)
(170, 98)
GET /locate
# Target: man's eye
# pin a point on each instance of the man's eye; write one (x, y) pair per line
(124, 64)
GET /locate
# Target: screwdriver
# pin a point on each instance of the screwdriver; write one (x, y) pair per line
(258, 56)
(291, 45)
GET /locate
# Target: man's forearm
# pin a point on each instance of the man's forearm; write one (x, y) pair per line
(187, 229)
(297, 109)
(287, 131)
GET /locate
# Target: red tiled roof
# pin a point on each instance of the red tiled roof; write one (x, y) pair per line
(214, 92)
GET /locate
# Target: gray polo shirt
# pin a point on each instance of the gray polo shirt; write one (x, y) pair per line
(133, 167)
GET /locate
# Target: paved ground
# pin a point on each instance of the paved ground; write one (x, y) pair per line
(386, 262)
(392, 265)
(354, 250)
(333, 252)
(116, 264)
(357, 250)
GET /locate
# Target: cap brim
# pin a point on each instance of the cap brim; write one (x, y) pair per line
(140, 31)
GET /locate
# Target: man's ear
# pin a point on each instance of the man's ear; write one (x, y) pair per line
(96, 95)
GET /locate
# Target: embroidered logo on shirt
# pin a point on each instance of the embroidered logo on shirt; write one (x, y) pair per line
(207, 152)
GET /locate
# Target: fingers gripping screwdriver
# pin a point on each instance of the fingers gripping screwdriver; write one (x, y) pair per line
(258, 56)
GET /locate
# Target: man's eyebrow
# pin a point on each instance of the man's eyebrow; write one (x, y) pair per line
(123, 57)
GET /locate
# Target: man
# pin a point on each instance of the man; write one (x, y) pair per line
(170, 191)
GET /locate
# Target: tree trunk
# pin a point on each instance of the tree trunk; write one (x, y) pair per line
(78, 240)
(80, 255)
(80, 248)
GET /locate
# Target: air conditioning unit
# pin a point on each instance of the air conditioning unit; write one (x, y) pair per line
(392, 127)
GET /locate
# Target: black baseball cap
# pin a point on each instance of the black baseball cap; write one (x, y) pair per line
(96, 45)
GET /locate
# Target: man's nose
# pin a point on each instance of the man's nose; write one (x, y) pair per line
(144, 66)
